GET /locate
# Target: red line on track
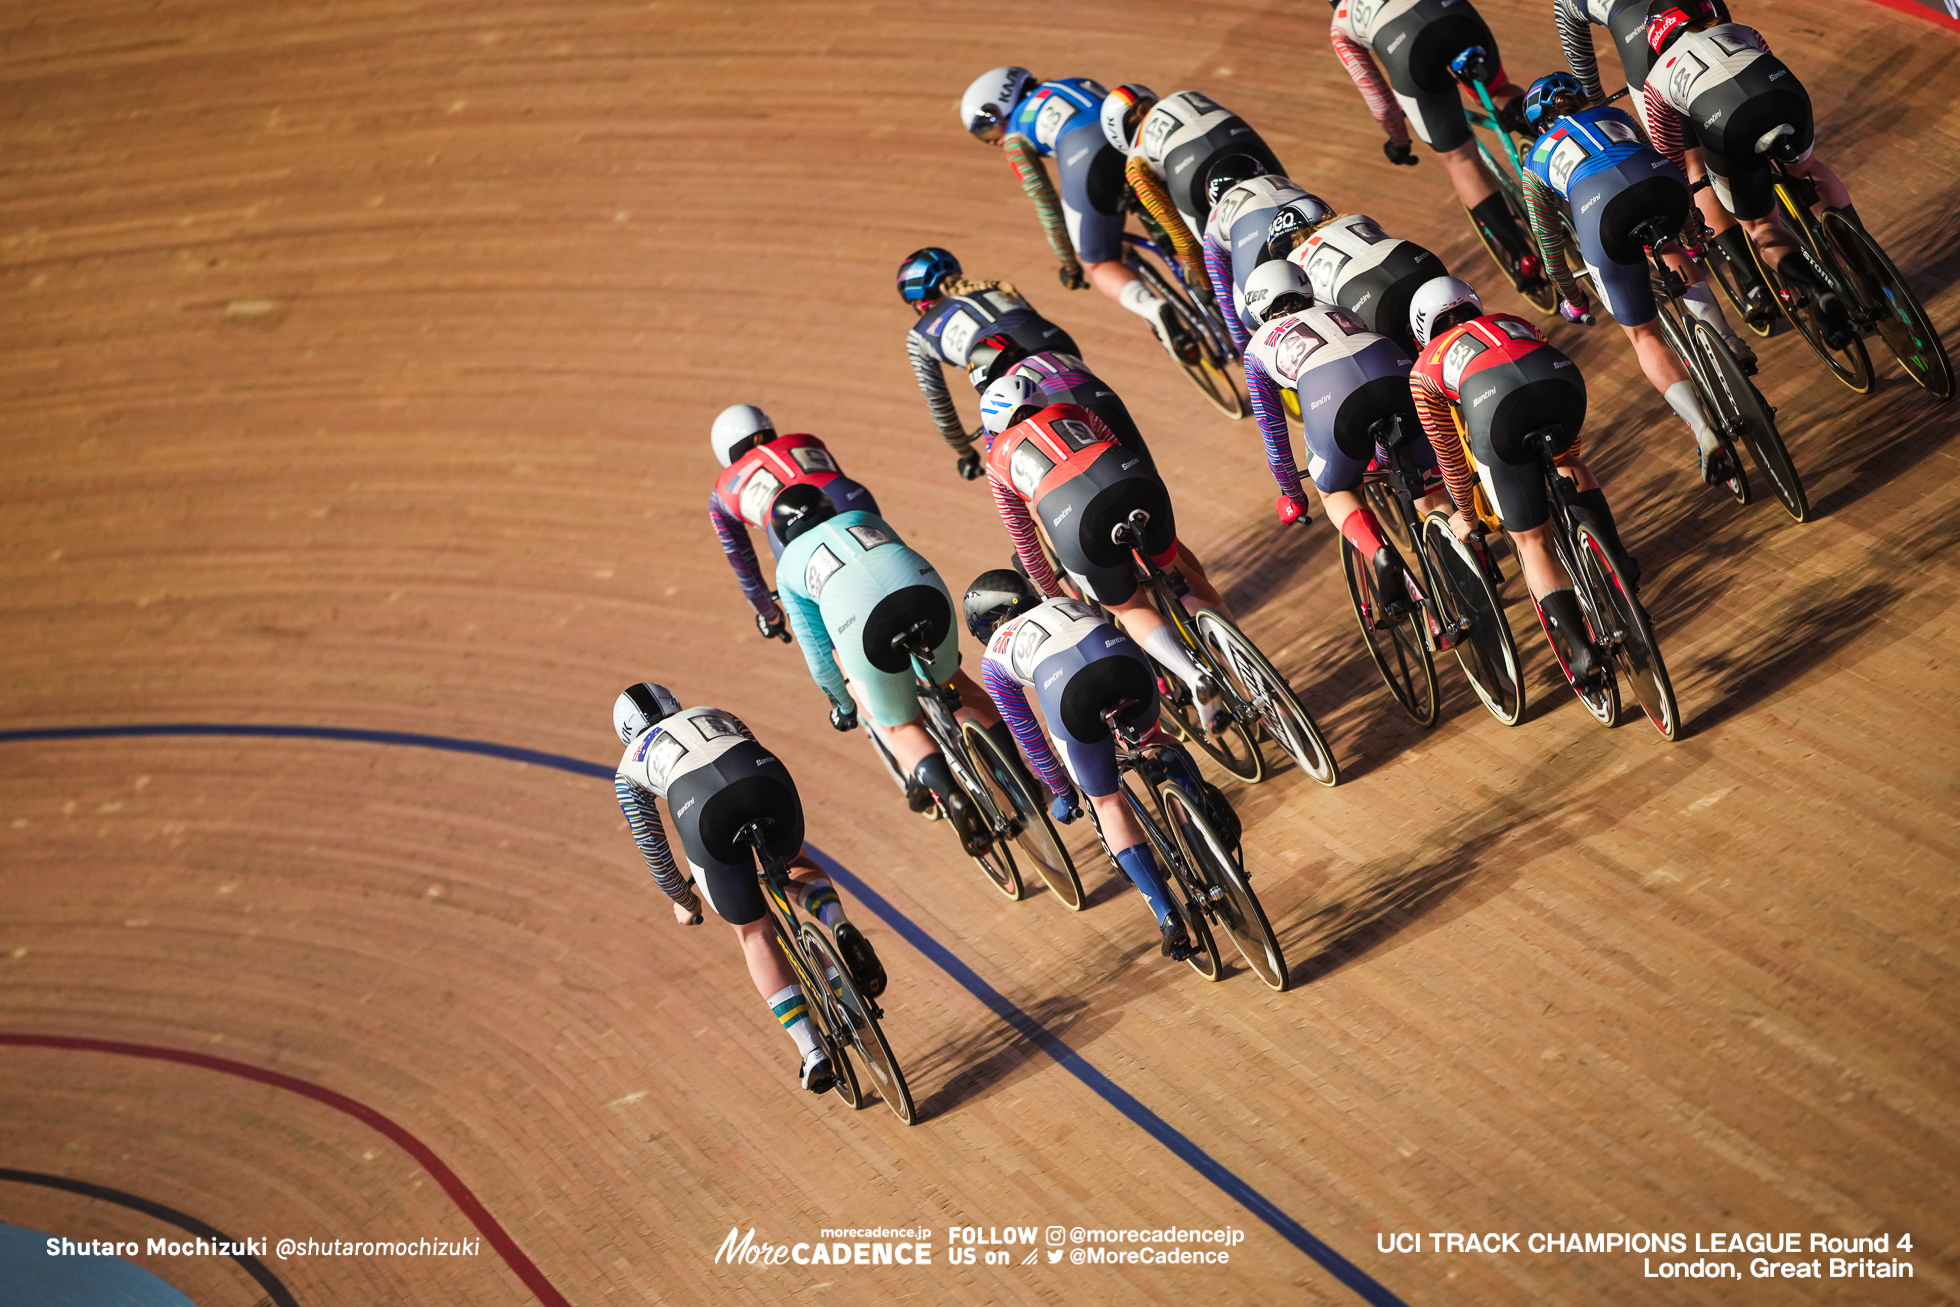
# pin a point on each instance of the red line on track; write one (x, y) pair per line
(1924, 11)
(458, 1192)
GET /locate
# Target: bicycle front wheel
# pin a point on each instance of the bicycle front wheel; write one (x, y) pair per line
(855, 1019)
(1255, 682)
(1849, 364)
(1232, 748)
(1635, 650)
(1734, 283)
(1899, 316)
(1741, 407)
(1539, 292)
(997, 863)
(1482, 639)
(1027, 818)
(1228, 898)
(1401, 654)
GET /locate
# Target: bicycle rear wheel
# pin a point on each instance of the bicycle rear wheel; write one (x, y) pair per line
(1228, 897)
(1209, 370)
(1255, 681)
(1715, 262)
(1635, 650)
(824, 1015)
(1741, 408)
(1710, 393)
(1400, 652)
(856, 1019)
(1851, 364)
(1487, 652)
(1028, 821)
(1184, 898)
(1899, 316)
(1233, 748)
(1539, 293)
(997, 863)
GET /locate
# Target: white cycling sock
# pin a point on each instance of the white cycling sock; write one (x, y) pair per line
(1163, 645)
(1701, 302)
(794, 1013)
(1681, 398)
(1142, 301)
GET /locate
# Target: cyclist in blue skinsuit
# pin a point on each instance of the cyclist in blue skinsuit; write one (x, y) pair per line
(1614, 180)
(1033, 120)
(849, 585)
(1074, 664)
(956, 313)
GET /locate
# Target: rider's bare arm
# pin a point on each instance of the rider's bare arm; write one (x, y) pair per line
(1026, 162)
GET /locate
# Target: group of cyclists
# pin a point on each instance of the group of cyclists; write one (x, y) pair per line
(1339, 326)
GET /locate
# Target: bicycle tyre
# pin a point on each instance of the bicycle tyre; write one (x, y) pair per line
(1234, 749)
(1207, 372)
(1604, 702)
(1743, 408)
(859, 1018)
(1710, 394)
(1033, 831)
(1204, 957)
(1635, 650)
(1258, 683)
(1488, 652)
(1854, 369)
(1382, 502)
(1715, 262)
(1400, 652)
(997, 863)
(1898, 315)
(823, 1015)
(1235, 907)
(1539, 294)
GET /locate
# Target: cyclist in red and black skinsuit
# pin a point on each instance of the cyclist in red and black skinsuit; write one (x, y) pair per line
(1059, 463)
(1502, 380)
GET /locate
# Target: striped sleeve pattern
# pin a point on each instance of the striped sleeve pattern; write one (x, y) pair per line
(1156, 201)
(1022, 157)
(1439, 424)
(644, 820)
(1012, 701)
(1550, 235)
(1020, 527)
(1664, 126)
(1575, 35)
(1360, 65)
(1218, 262)
(734, 536)
(1270, 412)
(932, 384)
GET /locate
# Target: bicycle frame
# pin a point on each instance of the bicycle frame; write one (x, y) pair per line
(1219, 338)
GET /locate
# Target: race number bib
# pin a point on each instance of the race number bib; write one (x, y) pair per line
(1361, 17)
(1051, 118)
(1292, 351)
(1157, 129)
(956, 338)
(663, 758)
(869, 536)
(1618, 132)
(822, 566)
(1323, 269)
(1568, 156)
(1457, 358)
(1077, 434)
(1027, 640)
(1026, 468)
(758, 492)
(713, 726)
(1681, 78)
(812, 459)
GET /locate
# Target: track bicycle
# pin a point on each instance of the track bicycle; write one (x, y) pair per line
(1621, 628)
(1472, 69)
(1734, 407)
(1873, 292)
(1205, 864)
(1254, 693)
(997, 786)
(846, 1020)
(1456, 606)
(1212, 356)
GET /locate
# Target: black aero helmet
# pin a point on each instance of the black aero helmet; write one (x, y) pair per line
(990, 358)
(1229, 172)
(799, 508)
(993, 598)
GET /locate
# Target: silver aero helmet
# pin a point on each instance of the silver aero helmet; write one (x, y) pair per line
(985, 107)
(1433, 300)
(1276, 287)
(1007, 397)
(1122, 113)
(640, 706)
(737, 429)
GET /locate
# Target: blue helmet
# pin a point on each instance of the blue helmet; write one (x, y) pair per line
(922, 271)
(1538, 100)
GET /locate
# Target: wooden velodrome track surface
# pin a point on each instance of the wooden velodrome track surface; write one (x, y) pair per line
(358, 364)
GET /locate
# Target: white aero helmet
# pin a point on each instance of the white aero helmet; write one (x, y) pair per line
(1006, 397)
(736, 429)
(1296, 220)
(1433, 299)
(1119, 127)
(988, 102)
(1277, 287)
(640, 706)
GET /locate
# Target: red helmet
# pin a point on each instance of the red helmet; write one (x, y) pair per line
(1667, 19)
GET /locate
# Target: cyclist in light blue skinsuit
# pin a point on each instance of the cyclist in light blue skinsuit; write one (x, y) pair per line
(849, 585)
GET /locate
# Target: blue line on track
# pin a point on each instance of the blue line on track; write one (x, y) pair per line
(915, 935)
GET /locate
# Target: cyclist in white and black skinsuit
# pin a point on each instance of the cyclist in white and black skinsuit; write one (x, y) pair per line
(1350, 261)
(1416, 41)
(1626, 21)
(1717, 102)
(717, 779)
(1236, 237)
(955, 313)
